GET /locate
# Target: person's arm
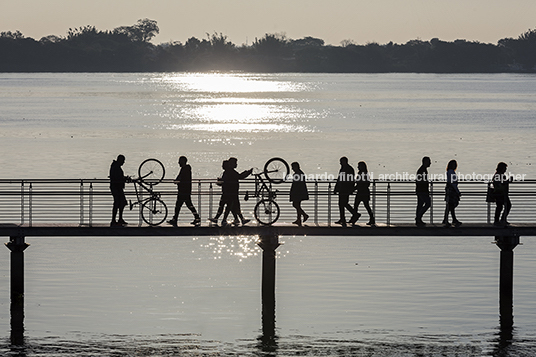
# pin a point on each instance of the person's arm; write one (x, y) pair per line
(178, 178)
(245, 174)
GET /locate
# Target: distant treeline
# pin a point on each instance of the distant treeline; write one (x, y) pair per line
(128, 49)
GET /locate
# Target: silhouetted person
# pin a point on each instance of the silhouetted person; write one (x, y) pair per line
(345, 187)
(422, 190)
(184, 194)
(230, 188)
(117, 187)
(363, 194)
(223, 203)
(298, 193)
(501, 183)
(452, 194)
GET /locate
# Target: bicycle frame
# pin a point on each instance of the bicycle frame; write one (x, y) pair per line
(262, 190)
(139, 197)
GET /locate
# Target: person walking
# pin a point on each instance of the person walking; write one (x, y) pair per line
(117, 187)
(452, 195)
(184, 194)
(230, 189)
(345, 187)
(501, 183)
(422, 190)
(223, 203)
(363, 194)
(298, 193)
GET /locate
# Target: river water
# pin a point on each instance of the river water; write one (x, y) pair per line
(376, 296)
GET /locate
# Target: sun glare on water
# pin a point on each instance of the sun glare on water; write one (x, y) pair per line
(232, 103)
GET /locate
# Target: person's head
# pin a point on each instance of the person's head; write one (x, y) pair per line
(343, 160)
(426, 161)
(182, 161)
(120, 159)
(362, 166)
(501, 167)
(295, 166)
(452, 165)
(225, 164)
(233, 162)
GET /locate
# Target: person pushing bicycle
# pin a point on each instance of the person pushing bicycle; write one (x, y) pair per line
(230, 188)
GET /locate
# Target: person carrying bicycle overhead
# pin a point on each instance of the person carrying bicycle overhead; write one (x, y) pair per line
(117, 187)
(230, 188)
(184, 194)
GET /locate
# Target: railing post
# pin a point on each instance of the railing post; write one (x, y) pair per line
(329, 204)
(388, 203)
(30, 189)
(431, 202)
(22, 202)
(489, 205)
(81, 203)
(140, 219)
(316, 202)
(210, 202)
(199, 198)
(90, 209)
(374, 197)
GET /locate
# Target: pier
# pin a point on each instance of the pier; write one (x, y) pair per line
(81, 208)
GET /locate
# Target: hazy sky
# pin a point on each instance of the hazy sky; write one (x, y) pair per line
(242, 20)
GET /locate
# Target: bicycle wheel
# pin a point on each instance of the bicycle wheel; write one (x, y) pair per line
(154, 212)
(266, 212)
(276, 170)
(151, 171)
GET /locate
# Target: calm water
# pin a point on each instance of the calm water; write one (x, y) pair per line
(201, 296)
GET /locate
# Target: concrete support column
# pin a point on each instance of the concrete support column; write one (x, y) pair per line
(17, 246)
(269, 244)
(506, 280)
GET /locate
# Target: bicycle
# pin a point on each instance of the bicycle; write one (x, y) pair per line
(267, 211)
(153, 210)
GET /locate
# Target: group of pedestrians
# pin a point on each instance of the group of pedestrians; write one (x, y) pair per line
(347, 183)
(499, 194)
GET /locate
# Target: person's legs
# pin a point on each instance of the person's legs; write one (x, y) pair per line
(228, 208)
(190, 205)
(418, 210)
(370, 213)
(424, 202)
(115, 209)
(237, 212)
(120, 202)
(507, 208)
(178, 205)
(220, 208)
(498, 208)
(446, 215)
(356, 214)
(343, 201)
(297, 206)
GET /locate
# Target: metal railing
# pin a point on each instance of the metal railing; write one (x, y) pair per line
(88, 202)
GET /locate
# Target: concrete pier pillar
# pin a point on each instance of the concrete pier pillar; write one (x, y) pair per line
(17, 245)
(269, 244)
(506, 280)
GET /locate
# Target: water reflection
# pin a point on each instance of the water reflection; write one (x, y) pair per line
(228, 83)
(373, 343)
(242, 247)
(243, 128)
